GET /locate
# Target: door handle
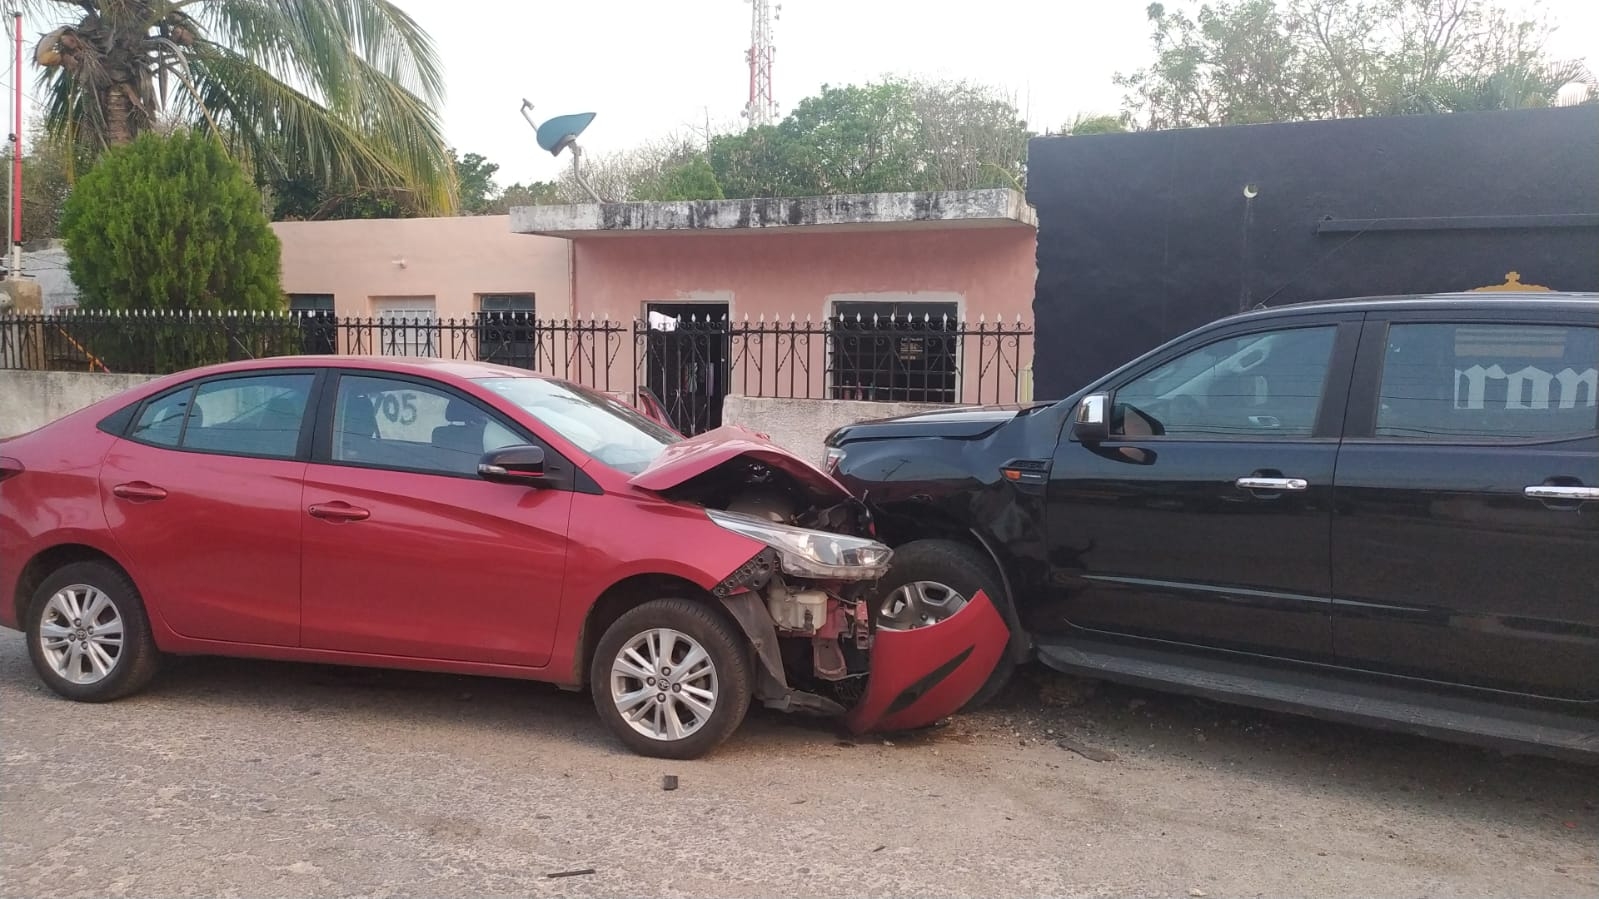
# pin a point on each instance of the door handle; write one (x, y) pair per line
(1273, 483)
(1562, 492)
(338, 511)
(139, 492)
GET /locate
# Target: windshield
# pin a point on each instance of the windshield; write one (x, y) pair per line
(605, 428)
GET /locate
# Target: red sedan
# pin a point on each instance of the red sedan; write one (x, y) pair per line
(464, 517)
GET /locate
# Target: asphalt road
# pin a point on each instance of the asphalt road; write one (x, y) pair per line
(253, 779)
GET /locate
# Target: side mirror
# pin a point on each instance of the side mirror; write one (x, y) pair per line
(513, 465)
(1092, 422)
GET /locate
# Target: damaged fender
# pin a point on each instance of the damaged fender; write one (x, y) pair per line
(922, 675)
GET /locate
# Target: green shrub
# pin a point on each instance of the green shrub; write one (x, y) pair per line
(171, 223)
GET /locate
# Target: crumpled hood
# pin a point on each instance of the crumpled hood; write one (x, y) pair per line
(726, 445)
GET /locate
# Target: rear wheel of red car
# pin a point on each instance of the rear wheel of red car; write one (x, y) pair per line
(930, 580)
(88, 635)
(671, 679)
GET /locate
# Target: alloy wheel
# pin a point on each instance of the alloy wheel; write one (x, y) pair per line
(81, 634)
(664, 684)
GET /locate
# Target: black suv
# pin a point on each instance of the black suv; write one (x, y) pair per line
(1382, 511)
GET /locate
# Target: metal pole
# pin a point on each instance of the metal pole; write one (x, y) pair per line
(577, 173)
(16, 154)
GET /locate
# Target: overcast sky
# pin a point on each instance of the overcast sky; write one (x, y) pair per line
(649, 67)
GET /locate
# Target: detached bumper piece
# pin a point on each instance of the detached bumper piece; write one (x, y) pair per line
(923, 675)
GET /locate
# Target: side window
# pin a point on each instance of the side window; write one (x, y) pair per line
(1489, 382)
(253, 416)
(161, 421)
(403, 424)
(1258, 385)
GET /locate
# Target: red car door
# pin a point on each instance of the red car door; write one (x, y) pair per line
(408, 553)
(203, 497)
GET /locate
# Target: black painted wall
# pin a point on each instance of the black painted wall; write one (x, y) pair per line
(1144, 236)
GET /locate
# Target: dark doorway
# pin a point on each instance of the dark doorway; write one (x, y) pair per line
(506, 323)
(319, 334)
(685, 362)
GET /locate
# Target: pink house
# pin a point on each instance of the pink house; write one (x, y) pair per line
(434, 268)
(759, 298)
(928, 261)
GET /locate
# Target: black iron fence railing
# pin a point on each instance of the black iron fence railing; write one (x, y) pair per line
(689, 364)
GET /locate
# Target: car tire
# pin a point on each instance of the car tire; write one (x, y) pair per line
(962, 570)
(628, 685)
(70, 649)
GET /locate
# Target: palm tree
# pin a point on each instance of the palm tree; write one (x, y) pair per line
(341, 91)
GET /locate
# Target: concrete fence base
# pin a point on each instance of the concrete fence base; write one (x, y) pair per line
(800, 426)
(29, 399)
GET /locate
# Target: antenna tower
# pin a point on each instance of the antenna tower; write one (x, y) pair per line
(761, 108)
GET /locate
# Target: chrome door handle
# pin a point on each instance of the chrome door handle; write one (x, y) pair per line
(1557, 492)
(1273, 483)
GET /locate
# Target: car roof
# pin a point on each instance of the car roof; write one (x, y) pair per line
(417, 365)
(1528, 300)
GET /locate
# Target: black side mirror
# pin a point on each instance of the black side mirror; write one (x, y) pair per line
(1091, 424)
(513, 465)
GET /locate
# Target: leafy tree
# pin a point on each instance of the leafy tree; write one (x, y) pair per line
(539, 193)
(970, 136)
(894, 135)
(1094, 124)
(686, 177)
(475, 175)
(1242, 61)
(340, 92)
(48, 170)
(170, 223)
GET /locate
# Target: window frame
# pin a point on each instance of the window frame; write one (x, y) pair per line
(1365, 391)
(1331, 407)
(560, 472)
(302, 446)
(836, 390)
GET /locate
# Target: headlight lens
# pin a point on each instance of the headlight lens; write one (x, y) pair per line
(808, 553)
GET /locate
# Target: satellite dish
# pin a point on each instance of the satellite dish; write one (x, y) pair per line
(558, 133)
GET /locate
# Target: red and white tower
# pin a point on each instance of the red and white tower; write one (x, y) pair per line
(762, 108)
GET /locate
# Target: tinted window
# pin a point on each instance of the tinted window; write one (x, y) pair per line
(161, 421)
(255, 416)
(1258, 385)
(607, 429)
(403, 424)
(1477, 381)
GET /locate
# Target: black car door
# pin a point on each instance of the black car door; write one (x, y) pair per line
(1204, 518)
(1466, 535)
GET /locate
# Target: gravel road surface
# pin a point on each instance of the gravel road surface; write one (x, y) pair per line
(234, 778)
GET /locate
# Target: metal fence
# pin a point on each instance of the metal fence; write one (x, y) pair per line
(689, 364)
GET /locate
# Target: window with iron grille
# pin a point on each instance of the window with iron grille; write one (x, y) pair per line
(905, 352)
(407, 326)
(505, 329)
(314, 311)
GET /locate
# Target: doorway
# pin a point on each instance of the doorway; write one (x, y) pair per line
(686, 362)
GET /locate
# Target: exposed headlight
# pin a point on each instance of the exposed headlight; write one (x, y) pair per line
(808, 553)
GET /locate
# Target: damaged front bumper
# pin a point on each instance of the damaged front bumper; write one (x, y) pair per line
(876, 678)
(808, 600)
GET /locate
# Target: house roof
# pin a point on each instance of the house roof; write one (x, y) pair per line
(921, 210)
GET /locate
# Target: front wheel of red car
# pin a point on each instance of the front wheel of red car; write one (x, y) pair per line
(88, 635)
(671, 678)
